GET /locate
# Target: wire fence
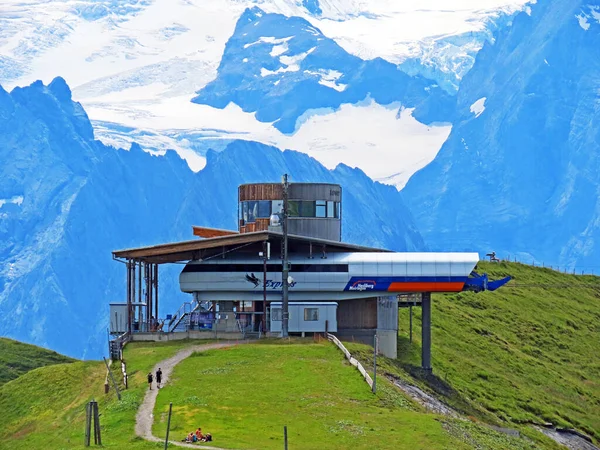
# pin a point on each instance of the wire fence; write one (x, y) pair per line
(572, 269)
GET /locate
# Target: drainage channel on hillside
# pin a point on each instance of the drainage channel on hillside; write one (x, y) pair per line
(569, 438)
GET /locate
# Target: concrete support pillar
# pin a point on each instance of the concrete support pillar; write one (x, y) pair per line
(387, 326)
(426, 332)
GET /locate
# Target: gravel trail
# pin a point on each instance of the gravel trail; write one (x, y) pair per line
(145, 417)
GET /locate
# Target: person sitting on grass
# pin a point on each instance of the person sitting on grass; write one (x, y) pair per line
(190, 437)
(207, 438)
(199, 435)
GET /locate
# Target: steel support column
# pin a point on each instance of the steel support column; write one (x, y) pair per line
(139, 305)
(285, 271)
(147, 295)
(410, 323)
(133, 264)
(151, 312)
(264, 318)
(426, 332)
(155, 280)
(130, 293)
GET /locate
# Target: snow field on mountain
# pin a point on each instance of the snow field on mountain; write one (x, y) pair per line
(61, 40)
(137, 64)
(370, 136)
(478, 107)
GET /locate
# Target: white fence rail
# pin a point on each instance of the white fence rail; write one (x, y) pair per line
(352, 360)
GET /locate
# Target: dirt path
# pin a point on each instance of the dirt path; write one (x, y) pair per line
(145, 417)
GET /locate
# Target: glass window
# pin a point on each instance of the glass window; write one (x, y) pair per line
(276, 206)
(307, 209)
(241, 213)
(321, 208)
(252, 211)
(264, 209)
(311, 314)
(245, 211)
(276, 314)
(294, 208)
(330, 209)
(338, 210)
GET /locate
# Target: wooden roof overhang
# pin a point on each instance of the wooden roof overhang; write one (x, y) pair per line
(200, 248)
(206, 232)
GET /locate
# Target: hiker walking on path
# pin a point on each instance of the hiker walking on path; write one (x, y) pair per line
(158, 378)
(150, 380)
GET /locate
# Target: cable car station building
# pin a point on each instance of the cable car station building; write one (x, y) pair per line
(236, 278)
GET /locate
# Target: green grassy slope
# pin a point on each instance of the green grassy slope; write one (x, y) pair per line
(245, 395)
(525, 353)
(17, 358)
(46, 406)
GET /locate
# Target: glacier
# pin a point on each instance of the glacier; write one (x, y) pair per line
(134, 66)
(69, 200)
(522, 176)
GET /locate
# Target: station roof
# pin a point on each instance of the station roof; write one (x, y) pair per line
(207, 232)
(201, 248)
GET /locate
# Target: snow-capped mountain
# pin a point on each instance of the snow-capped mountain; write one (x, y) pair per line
(136, 64)
(520, 173)
(67, 201)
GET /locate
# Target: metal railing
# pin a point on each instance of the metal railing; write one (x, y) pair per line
(184, 310)
(116, 346)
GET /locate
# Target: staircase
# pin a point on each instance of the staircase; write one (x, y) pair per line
(252, 335)
(249, 333)
(181, 319)
(116, 345)
(115, 350)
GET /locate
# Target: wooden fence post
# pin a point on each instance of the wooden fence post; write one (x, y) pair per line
(88, 424)
(112, 378)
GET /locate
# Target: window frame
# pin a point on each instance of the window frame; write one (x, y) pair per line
(245, 212)
(276, 206)
(252, 210)
(263, 204)
(307, 312)
(276, 314)
(321, 205)
(308, 209)
(294, 208)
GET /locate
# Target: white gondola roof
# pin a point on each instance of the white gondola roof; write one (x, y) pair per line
(360, 257)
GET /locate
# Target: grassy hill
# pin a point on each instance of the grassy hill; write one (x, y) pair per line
(17, 358)
(243, 396)
(527, 353)
(46, 406)
(524, 354)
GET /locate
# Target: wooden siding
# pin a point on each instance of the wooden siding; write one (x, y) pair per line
(259, 225)
(266, 191)
(297, 191)
(212, 232)
(357, 314)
